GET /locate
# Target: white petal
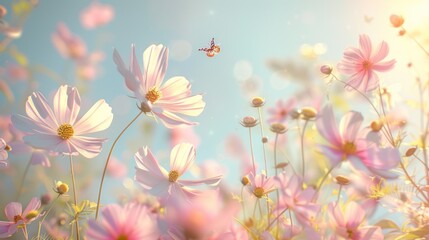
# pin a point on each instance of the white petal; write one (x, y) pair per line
(66, 104)
(182, 157)
(155, 60)
(98, 118)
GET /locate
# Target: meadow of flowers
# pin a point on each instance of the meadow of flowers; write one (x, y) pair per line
(344, 156)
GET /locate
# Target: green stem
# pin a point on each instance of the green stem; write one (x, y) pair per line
(107, 162)
(74, 196)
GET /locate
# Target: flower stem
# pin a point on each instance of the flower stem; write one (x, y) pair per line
(46, 214)
(21, 185)
(74, 195)
(263, 142)
(108, 159)
(277, 190)
(242, 204)
(302, 149)
(339, 195)
(321, 182)
(275, 219)
(251, 151)
(418, 44)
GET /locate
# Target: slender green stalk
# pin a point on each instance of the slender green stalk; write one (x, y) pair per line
(251, 151)
(74, 196)
(263, 142)
(108, 159)
(302, 149)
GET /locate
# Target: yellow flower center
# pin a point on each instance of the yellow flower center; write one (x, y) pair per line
(348, 149)
(153, 95)
(17, 218)
(259, 192)
(173, 176)
(122, 237)
(32, 214)
(349, 233)
(367, 65)
(65, 131)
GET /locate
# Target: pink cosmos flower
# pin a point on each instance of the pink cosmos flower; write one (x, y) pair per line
(297, 199)
(154, 177)
(133, 222)
(58, 128)
(349, 142)
(348, 224)
(167, 101)
(87, 67)
(260, 185)
(16, 218)
(3, 153)
(96, 15)
(362, 64)
(116, 168)
(281, 111)
(184, 134)
(67, 44)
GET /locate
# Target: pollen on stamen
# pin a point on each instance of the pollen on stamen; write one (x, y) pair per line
(65, 131)
(259, 192)
(173, 176)
(349, 148)
(153, 95)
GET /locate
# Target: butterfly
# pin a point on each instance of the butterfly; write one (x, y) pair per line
(212, 51)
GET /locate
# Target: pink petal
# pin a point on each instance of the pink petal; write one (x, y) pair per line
(134, 66)
(182, 157)
(28, 125)
(150, 181)
(130, 80)
(327, 126)
(87, 146)
(365, 45)
(370, 232)
(191, 106)
(46, 141)
(384, 66)
(335, 215)
(175, 88)
(13, 209)
(356, 81)
(171, 120)
(353, 215)
(213, 181)
(350, 125)
(38, 109)
(373, 81)
(98, 118)
(380, 53)
(146, 161)
(155, 59)
(34, 204)
(5, 229)
(66, 104)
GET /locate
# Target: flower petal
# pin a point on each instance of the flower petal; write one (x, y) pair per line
(182, 157)
(212, 181)
(66, 104)
(171, 120)
(5, 229)
(87, 146)
(34, 204)
(350, 125)
(28, 125)
(384, 66)
(98, 118)
(40, 158)
(327, 126)
(365, 45)
(353, 215)
(38, 109)
(13, 209)
(130, 80)
(155, 59)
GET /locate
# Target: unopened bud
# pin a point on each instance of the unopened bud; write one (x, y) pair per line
(8, 148)
(32, 214)
(245, 180)
(249, 122)
(342, 180)
(258, 102)
(264, 139)
(396, 20)
(61, 188)
(410, 151)
(376, 125)
(295, 113)
(326, 69)
(281, 165)
(278, 128)
(308, 113)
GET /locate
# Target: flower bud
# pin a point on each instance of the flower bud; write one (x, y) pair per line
(326, 69)
(342, 180)
(264, 139)
(278, 128)
(376, 125)
(396, 20)
(61, 188)
(410, 151)
(249, 122)
(308, 113)
(245, 180)
(258, 102)
(45, 199)
(295, 113)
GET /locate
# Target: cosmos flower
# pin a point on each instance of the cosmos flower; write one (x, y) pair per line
(151, 176)
(167, 101)
(67, 44)
(260, 185)
(59, 129)
(132, 221)
(16, 218)
(281, 111)
(348, 224)
(96, 15)
(349, 142)
(363, 63)
(295, 198)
